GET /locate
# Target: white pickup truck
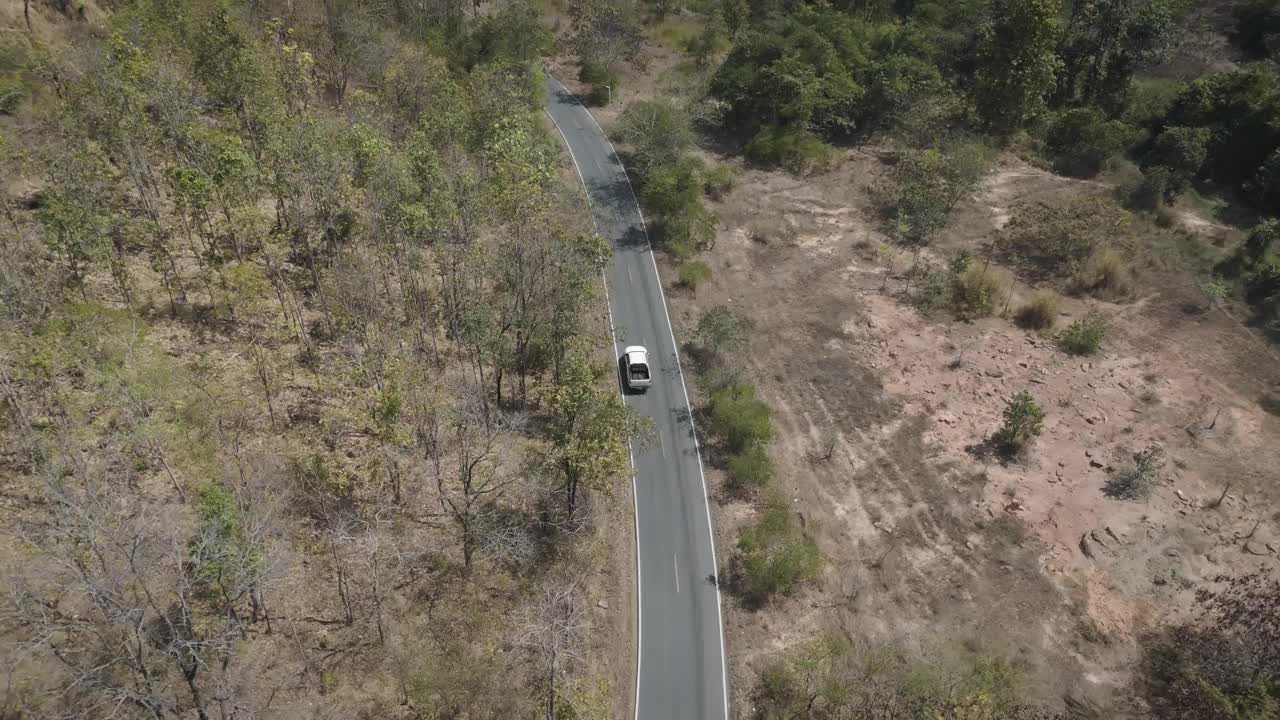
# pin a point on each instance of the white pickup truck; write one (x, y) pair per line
(635, 368)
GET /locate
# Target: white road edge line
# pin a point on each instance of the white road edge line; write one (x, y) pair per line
(631, 452)
(715, 565)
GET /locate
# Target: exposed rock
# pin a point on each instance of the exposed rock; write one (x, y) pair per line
(603, 604)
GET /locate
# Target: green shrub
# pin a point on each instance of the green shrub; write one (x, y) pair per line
(1257, 26)
(1154, 191)
(1081, 141)
(1149, 100)
(1023, 419)
(719, 180)
(1262, 239)
(831, 678)
(751, 468)
(798, 151)
(1264, 186)
(930, 183)
(739, 417)
(1262, 290)
(11, 93)
(1085, 336)
(693, 273)
(1183, 151)
(673, 191)
(604, 83)
(1041, 312)
(723, 331)
(658, 132)
(774, 555)
(705, 44)
(977, 290)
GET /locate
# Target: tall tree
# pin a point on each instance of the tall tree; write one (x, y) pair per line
(590, 430)
(1105, 41)
(1017, 61)
(605, 32)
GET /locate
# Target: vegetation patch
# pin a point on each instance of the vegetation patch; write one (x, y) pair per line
(774, 555)
(1041, 311)
(1023, 421)
(1085, 335)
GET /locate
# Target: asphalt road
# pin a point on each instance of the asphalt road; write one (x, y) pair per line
(681, 669)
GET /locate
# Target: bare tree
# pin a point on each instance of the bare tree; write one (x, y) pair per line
(138, 610)
(475, 481)
(552, 632)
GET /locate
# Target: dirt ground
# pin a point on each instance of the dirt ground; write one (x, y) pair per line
(878, 410)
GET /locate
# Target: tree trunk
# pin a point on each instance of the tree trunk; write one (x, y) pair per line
(189, 673)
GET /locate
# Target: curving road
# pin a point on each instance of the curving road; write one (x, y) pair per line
(680, 669)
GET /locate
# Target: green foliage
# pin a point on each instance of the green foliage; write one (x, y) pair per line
(1241, 109)
(831, 679)
(719, 180)
(590, 428)
(932, 182)
(657, 130)
(774, 556)
(605, 33)
(222, 556)
(1261, 241)
(798, 151)
(1085, 335)
(1148, 101)
(739, 418)
(1023, 420)
(723, 331)
(1264, 186)
(1041, 312)
(515, 33)
(1017, 62)
(705, 44)
(1105, 42)
(1153, 192)
(819, 69)
(1262, 291)
(1193, 673)
(1137, 481)
(751, 469)
(674, 193)
(1081, 141)
(693, 273)
(1183, 151)
(604, 83)
(1257, 27)
(1222, 664)
(13, 61)
(12, 91)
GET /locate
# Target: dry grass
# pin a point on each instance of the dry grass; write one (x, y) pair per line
(1106, 272)
(979, 290)
(1041, 312)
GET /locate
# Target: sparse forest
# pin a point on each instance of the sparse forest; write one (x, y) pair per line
(304, 404)
(302, 407)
